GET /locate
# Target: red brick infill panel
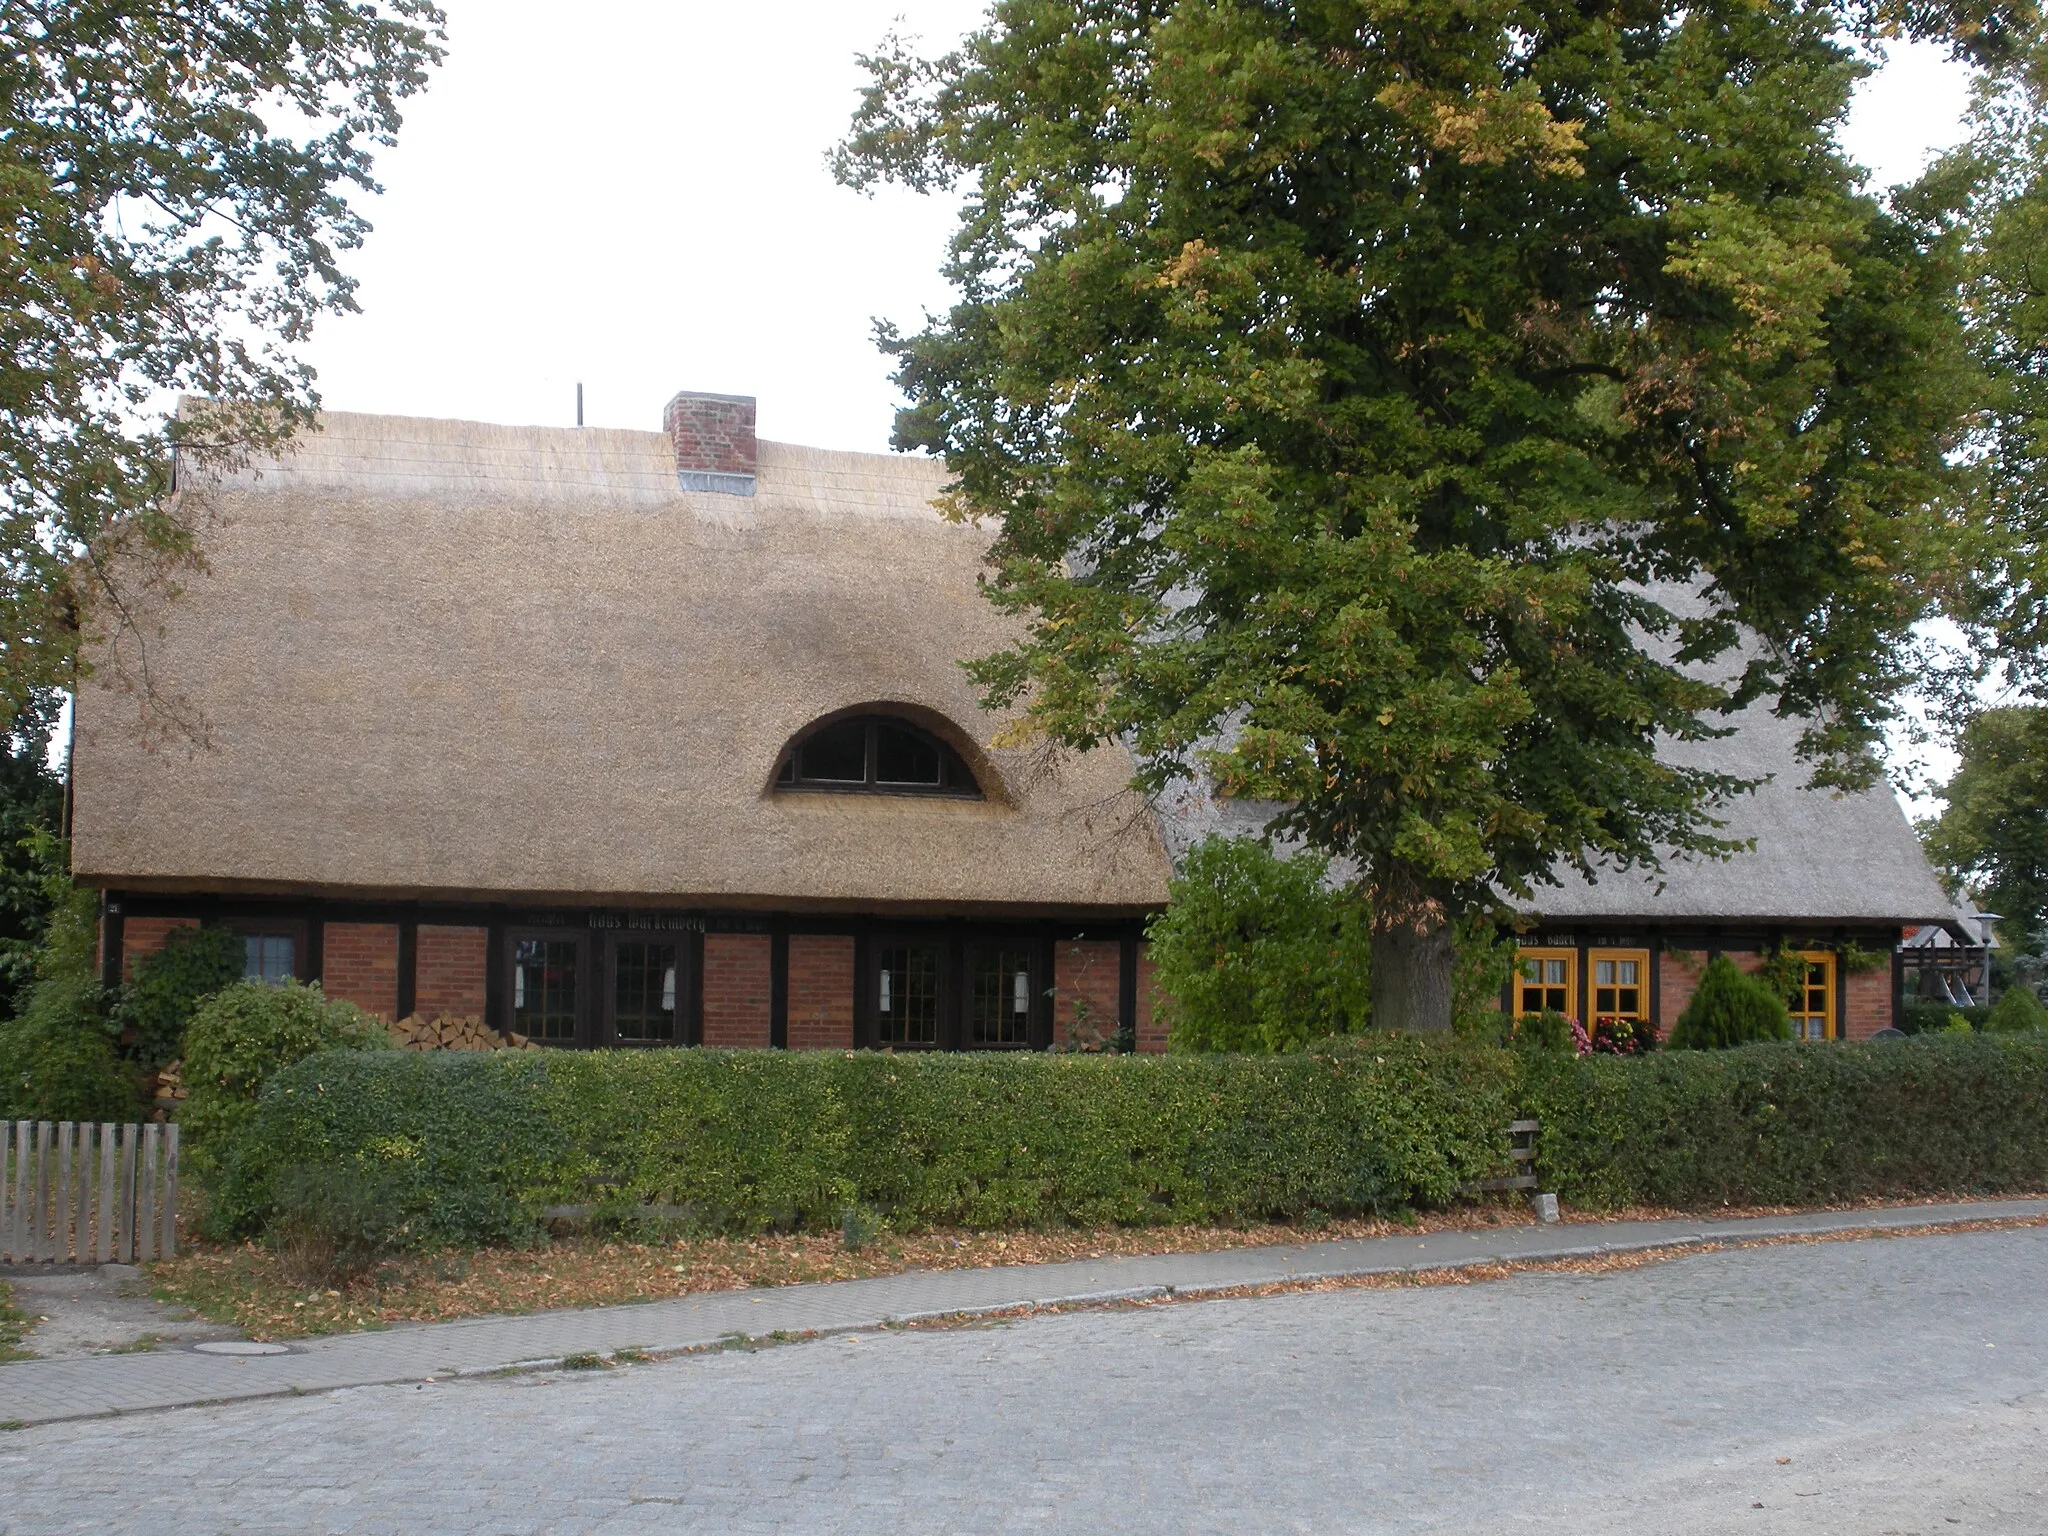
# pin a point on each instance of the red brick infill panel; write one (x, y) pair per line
(737, 989)
(142, 936)
(360, 965)
(820, 992)
(448, 974)
(1085, 970)
(1151, 1027)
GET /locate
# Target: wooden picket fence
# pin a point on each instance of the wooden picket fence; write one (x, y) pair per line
(86, 1193)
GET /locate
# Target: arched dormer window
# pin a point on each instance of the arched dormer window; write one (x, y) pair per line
(875, 754)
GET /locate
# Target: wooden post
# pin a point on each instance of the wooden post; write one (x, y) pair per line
(105, 1247)
(6, 1189)
(46, 1134)
(81, 1216)
(125, 1251)
(60, 1213)
(145, 1207)
(19, 1226)
(168, 1247)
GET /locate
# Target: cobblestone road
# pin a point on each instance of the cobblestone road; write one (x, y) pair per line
(1903, 1381)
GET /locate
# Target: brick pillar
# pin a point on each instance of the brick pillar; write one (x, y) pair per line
(449, 963)
(820, 992)
(360, 965)
(1086, 969)
(143, 936)
(738, 990)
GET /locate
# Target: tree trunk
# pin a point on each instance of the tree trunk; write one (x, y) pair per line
(1411, 957)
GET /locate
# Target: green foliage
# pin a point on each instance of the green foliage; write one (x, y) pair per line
(57, 1056)
(32, 862)
(477, 1147)
(194, 963)
(1727, 1009)
(178, 182)
(1351, 387)
(2017, 1012)
(333, 1226)
(1255, 952)
(1794, 1125)
(1545, 1031)
(1992, 835)
(481, 1145)
(245, 1034)
(1999, 588)
(1931, 1018)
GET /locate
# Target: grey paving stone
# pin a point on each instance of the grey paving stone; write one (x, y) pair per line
(1904, 1385)
(39, 1391)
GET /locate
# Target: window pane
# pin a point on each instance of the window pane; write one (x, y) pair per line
(1603, 973)
(268, 958)
(999, 1011)
(836, 755)
(1625, 972)
(644, 994)
(1553, 972)
(904, 757)
(907, 996)
(544, 989)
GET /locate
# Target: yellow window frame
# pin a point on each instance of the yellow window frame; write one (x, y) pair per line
(1526, 988)
(1621, 1007)
(1808, 1021)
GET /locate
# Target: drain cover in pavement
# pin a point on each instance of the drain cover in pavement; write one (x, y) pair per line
(240, 1347)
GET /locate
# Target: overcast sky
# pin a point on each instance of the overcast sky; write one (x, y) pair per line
(639, 201)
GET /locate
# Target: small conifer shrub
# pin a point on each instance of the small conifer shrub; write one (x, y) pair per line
(1729, 1009)
(2016, 1011)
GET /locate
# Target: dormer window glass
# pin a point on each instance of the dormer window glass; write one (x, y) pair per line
(877, 754)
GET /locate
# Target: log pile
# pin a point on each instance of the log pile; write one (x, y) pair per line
(414, 1033)
(170, 1082)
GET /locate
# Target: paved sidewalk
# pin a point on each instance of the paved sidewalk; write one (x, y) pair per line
(44, 1391)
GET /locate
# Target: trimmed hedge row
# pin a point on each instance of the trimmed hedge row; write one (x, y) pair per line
(479, 1146)
(1794, 1125)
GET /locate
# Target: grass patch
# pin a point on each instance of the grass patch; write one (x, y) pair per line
(13, 1326)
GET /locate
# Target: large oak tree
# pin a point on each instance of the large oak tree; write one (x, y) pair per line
(1345, 378)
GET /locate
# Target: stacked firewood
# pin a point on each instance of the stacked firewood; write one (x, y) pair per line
(170, 1082)
(414, 1033)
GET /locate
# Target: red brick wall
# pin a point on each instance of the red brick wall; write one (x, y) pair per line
(1085, 968)
(1678, 977)
(448, 972)
(737, 1000)
(359, 963)
(1151, 1028)
(1867, 1007)
(820, 992)
(145, 936)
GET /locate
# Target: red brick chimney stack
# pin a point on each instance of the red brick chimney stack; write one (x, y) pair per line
(714, 441)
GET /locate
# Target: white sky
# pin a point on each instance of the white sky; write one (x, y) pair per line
(639, 201)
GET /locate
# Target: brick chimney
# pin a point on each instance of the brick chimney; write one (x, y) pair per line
(714, 441)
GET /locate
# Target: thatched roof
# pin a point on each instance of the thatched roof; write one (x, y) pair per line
(1818, 856)
(444, 659)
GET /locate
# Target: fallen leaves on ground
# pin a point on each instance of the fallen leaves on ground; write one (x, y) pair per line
(247, 1286)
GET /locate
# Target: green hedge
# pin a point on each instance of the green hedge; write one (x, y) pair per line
(743, 1141)
(480, 1146)
(1793, 1124)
